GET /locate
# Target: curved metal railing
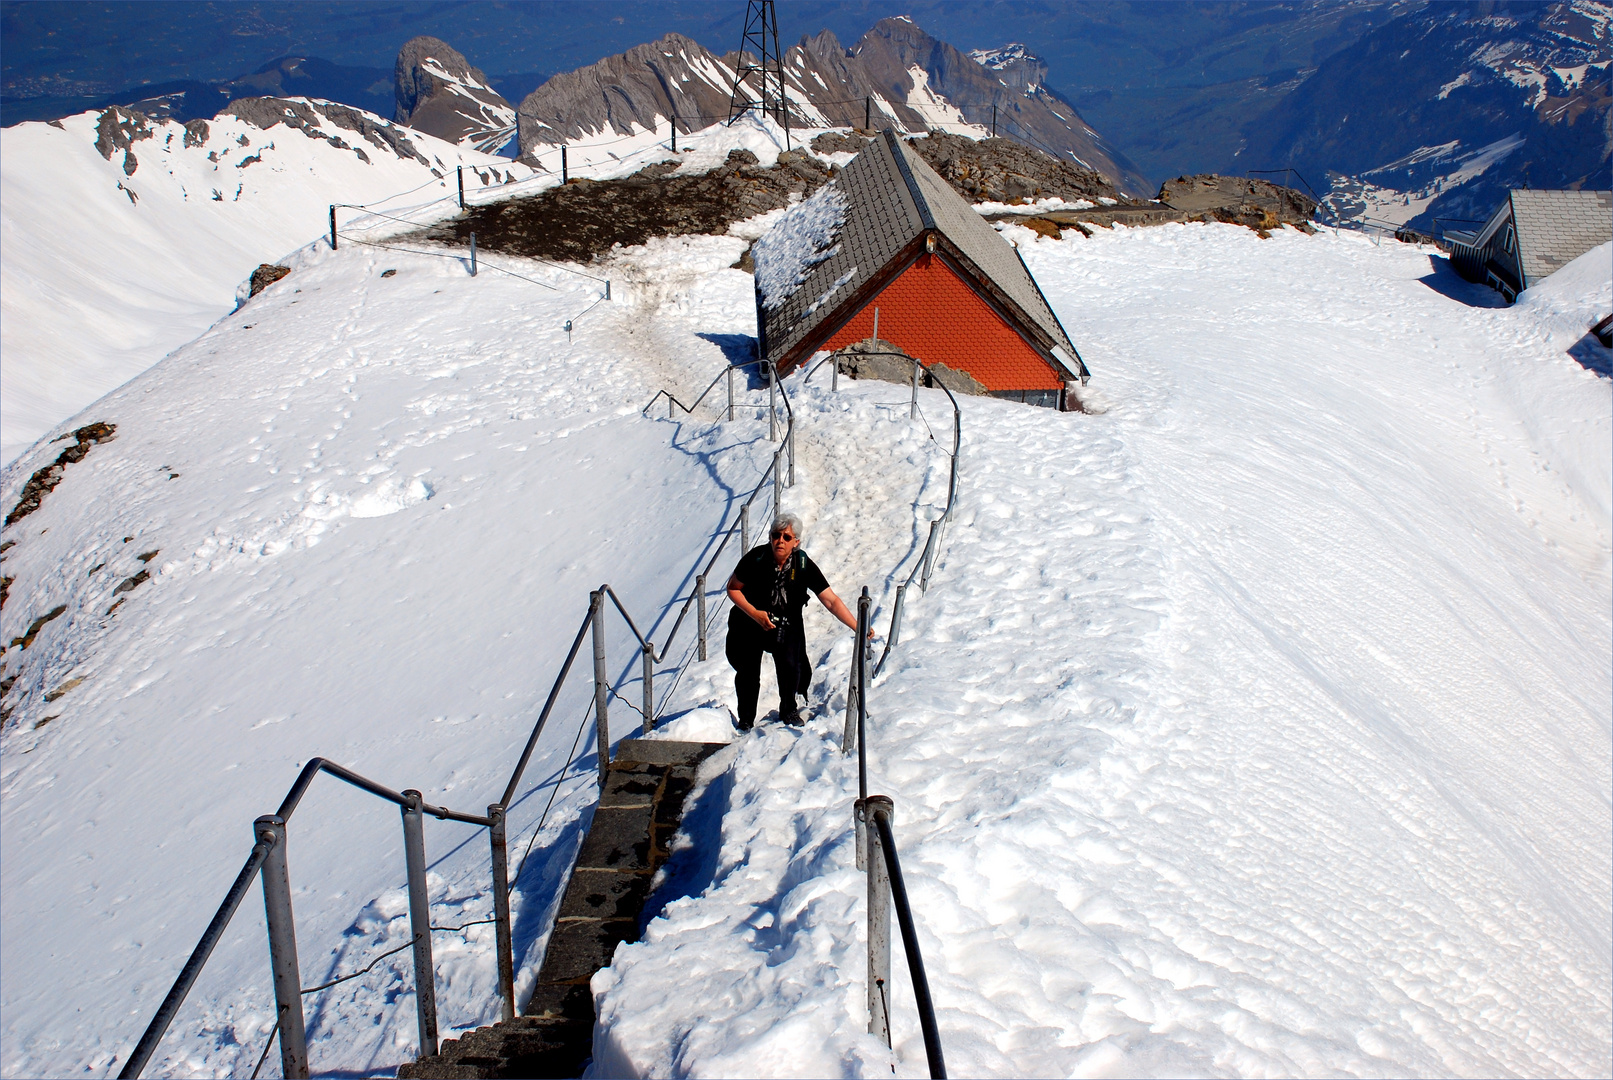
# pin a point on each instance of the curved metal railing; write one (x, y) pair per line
(932, 543)
(268, 851)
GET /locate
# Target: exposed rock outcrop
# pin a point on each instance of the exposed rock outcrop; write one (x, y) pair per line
(1240, 200)
(438, 92)
(265, 275)
(586, 218)
(44, 481)
(307, 117)
(1001, 170)
(119, 129)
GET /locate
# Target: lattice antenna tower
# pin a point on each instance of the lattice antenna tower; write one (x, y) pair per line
(761, 39)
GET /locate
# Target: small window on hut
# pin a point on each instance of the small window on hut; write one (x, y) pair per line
(1506, 241)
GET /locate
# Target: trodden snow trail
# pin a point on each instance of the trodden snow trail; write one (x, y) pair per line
(1258, 724)
(374, 505)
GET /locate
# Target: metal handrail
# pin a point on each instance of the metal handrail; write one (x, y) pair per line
(493, 820)
(932, 543)
(243, 881)
(885, 881)
(910, 942)
(672, 398)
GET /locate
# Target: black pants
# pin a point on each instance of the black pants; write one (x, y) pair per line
(745, 646)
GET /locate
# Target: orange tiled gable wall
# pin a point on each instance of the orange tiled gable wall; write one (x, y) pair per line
(930, 313)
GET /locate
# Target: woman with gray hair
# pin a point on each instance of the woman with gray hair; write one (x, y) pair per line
(769, 589)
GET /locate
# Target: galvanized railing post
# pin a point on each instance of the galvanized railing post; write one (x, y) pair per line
(777, 465)
(601, 685)
(789, 440)
(501, 912)
(879, 920)
(700, 606)
(744, 528)
(730, 395)
(772, 404)
(283, 947)
(863, 611)
(834, 376)
(649, 687)
(896, 616)
(414, 861)
(669, 406)
(913, 407)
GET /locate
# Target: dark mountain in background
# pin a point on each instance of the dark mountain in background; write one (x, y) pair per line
(286, 76)
(1446, 108)
(438, 92)
(896, 73)
(1168, 82)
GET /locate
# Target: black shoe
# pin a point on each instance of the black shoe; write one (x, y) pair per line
(793, 719)
(744, 725)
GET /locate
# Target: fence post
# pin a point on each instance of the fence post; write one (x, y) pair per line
(472, 254)
(776, 467)
(744, 528)
(860, 814)
(333, 228)
(730, 394)
(501, 912)
(649, 687)
(596, 600)
(425, 983)
(855, 713)
(896, 616)
(929, 554)
(834, 374)
(283, 947)
(993, 121)
(879, 919)
(700, 611)
(673, 123)
(868, 112)
(913, 406)
(772, 404)
(565, 176)
(669, 406)
(789, 442)
(462, 187)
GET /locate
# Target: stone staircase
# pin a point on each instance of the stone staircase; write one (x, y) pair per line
(639, 811)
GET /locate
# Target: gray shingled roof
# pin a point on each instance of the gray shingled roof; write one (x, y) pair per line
(893, 197)
(1556, 227)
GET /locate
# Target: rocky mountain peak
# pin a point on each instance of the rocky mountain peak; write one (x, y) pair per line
(896, 75)
(440, 93)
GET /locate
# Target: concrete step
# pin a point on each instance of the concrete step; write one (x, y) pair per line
(638, 814)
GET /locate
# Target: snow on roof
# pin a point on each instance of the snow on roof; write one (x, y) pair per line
(805, 236)
(1556, 227)
(891, 197)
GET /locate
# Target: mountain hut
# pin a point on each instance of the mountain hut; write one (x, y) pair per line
(1531, 236)
(888, 233)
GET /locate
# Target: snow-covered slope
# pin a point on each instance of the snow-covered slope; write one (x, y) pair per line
(1259, 723)
(110, 260)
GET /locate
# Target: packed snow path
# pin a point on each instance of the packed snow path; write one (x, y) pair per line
(1258, 724)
